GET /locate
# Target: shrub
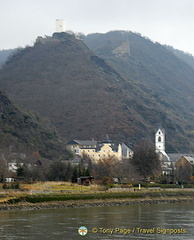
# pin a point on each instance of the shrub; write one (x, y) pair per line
(127, 186)
(12, 186)
(169, 186)
(15, 186)
(107, 181)
(189, 185)
(5, 186)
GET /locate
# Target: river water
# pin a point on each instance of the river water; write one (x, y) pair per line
(154, 221)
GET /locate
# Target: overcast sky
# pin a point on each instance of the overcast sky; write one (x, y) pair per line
(168, 22)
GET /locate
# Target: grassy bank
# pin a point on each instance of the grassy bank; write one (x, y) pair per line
(56, 201)
(62, 194)
(42, 198)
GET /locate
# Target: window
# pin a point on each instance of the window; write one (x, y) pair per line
(159, 139)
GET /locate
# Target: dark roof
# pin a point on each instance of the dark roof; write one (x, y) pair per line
(82, 142)
(101, 144)
(106, 139)
(174, 157)
(125, 148)
(86, 177)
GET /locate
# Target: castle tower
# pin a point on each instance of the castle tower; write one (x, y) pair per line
(60, 25)
(160, 140)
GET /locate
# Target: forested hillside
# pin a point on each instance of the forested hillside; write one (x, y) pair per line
(141, 87)
(22, 132)
(163, 77)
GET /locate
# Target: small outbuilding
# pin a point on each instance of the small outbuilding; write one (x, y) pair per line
(85, 180)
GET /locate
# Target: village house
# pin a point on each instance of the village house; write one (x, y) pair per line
(185, 168)
(98, 150)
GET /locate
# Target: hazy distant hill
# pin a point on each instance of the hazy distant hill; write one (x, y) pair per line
(4, 54)
(188, 58)
(23, 132)
(84, 97)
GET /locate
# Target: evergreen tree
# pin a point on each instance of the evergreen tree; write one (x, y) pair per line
(87, 172)
(74, 175)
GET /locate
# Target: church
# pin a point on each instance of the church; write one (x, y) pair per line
(170, 161)
(167, 166)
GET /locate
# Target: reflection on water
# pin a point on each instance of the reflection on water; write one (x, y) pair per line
(108, 222)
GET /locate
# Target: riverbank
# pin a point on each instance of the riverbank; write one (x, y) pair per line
(96, 200)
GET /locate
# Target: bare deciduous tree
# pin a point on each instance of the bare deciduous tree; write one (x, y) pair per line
(145, 160)
(106, 167)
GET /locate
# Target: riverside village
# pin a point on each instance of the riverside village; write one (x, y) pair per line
(110, 163)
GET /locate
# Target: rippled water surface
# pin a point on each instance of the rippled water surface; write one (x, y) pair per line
(160, 221)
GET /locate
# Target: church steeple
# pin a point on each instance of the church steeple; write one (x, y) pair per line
(160, 140)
